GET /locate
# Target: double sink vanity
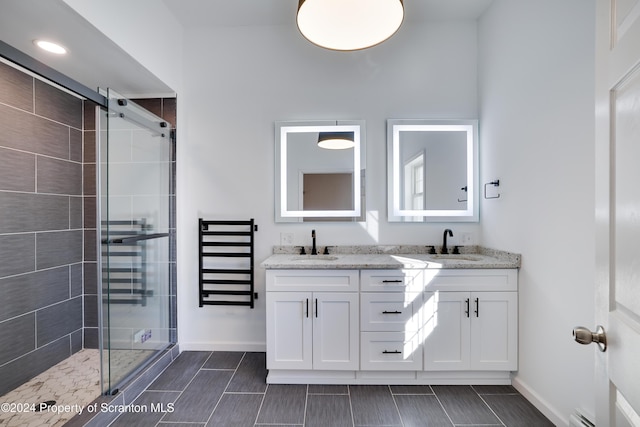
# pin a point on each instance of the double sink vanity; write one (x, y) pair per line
(387, 314)
(391, 315)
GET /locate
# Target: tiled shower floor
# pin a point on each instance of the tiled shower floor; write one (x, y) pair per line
(75, 382)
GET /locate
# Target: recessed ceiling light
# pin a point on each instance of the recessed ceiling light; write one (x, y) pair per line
(50, 47)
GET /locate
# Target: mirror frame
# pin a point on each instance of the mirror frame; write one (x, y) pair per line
(394, 211)
(282, 130)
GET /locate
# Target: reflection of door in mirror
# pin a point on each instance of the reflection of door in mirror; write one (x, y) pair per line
(414, 183)
(327, 191)
(432, 170)
(435, 169)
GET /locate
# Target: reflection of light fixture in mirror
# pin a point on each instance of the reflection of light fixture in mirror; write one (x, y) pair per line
(50, 47)
(297, 154)
(336, 140)
(349, 24)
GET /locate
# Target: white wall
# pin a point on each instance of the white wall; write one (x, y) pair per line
(145, 29)
(537, 137)
(239, 81)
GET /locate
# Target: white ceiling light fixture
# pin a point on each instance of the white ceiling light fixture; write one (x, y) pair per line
(50, 47)
(336, 140)
(349, 24)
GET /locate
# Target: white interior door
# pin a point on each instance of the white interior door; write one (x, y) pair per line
(618, 211)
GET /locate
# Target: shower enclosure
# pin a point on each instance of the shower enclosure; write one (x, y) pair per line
(87, 240)
(135, 182)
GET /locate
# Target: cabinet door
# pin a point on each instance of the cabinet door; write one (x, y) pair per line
(335, 331)
(289, 330)
(494, 334)
(446, 330)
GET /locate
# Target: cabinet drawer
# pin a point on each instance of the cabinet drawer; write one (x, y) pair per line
(473, 280)
(390, 351)
(312, 280)
(386, 311)
(392, 280)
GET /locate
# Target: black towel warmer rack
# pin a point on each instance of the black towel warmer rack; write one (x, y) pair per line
(226, 262)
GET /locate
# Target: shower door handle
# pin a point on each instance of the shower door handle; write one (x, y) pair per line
(134, 239)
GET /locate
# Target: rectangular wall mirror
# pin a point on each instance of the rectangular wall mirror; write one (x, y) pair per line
(432, 170)
(317, 180)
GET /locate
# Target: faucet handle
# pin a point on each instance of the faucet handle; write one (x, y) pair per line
(326, 250)
(456, 250)
(302, 251)
(432, 249)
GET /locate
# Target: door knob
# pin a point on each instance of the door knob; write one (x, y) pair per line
(583, 335)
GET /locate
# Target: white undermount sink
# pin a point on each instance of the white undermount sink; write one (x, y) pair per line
(313, 258)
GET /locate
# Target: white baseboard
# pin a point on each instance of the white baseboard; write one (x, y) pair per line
(222, 346)
(541, 404)
(297, 376)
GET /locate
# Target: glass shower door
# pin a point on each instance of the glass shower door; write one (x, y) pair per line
(135, 175)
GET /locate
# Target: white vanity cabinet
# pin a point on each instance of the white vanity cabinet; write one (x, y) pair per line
(312, 320)
(471, 321)
(392, 326)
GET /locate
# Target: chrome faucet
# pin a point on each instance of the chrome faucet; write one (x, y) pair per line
(444, 240)
(314, 251)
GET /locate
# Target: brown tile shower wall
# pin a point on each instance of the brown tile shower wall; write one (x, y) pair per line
(42, 235)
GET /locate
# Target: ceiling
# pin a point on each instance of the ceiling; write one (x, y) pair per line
(282, 12)
(93, 59)
(96, 61)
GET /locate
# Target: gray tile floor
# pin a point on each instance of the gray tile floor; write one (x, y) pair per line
(228, 389)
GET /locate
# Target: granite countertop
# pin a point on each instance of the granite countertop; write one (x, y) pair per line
(389, 257)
